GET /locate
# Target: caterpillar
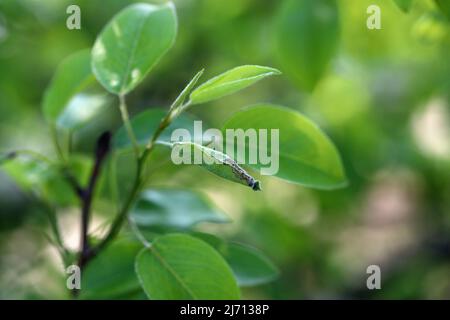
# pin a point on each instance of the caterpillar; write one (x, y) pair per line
(241, 174)
(222, 165)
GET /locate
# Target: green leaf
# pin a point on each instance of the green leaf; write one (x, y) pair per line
(72, 76)
(249, 266)
(111, 275)
(404, 5)
(131, 45)
(40, 178)
(179, 267)
(186, 91)
(82, 108)
(145, 124)
(306, 38)
(306, 155)
(174, 208)
(215, 162)
(230, 82)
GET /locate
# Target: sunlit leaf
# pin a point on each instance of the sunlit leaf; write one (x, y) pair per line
(306, 37)
(230, 82)
(131, 45)
(305, 154)
(82, 108)
(174, 208)
(178, 266)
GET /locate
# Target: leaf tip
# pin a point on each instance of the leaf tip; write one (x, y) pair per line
(199, 74)
(276, 72)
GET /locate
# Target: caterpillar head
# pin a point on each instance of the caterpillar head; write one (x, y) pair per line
(256, 186)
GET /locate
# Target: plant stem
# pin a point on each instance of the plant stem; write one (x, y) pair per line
(69, 142)
(73, 182)
(138, 233)
(118, 221)
(127, 124)
(55, 228)
(113, 184)
(87, 252)
(46, 207)
(138, 182)
(121, 217)
(65, 167)
(58, 148)
(102, 149)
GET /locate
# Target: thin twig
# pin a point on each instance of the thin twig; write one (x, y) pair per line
(102, 149)
(127, 124)
(141, 159)
(58, 148)
(118, 221)
(138, 232)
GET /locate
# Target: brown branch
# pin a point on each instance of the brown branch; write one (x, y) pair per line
(86, 195)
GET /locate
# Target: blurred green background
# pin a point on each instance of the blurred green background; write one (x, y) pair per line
(383, 99)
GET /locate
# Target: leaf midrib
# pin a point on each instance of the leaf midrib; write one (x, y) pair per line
(207, 86)
(172, 272)
(132, 53)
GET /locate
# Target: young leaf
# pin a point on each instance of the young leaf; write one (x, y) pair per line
(145, 124)
(404, 5)
(216, 162)
(306, 36)
(305, 154)
(230, 82)
(174, 208)
(110, 275)
(186, 91)
(179, 267)
(250, 266)
(131, 45)
(72, 75)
